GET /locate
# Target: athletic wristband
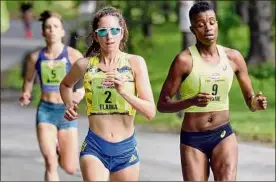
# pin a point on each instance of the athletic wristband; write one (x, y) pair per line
(252, 103)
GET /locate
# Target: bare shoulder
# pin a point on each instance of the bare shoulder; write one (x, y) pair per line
(138, 64)
(182, 62)
(74, 54)
(136, 59)
(184, 58)
(82, 63)
(33, 56)
(236, 59)
(233, 55)
(71, 50)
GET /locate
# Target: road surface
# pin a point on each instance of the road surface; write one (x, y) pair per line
(21, 159)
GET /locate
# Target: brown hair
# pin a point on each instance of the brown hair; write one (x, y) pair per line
(46, 15)
(94, 48)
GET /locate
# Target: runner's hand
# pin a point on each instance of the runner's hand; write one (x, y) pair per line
(202, 99)
(71, 112)
(259, 102)
(118, 80)
(25, 99)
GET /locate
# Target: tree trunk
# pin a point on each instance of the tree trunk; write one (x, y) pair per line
(166, 10)
(242, 10)
(146, 19)
(214, 3)
(147, 28)
(130, 25)
(188, 38)
(101, 4)
(260, 24)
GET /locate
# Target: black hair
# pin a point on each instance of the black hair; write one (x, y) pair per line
(198, 7)
(25, 7)
(94, 48)
(46, 15)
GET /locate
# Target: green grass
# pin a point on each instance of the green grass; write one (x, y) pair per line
(159, 52)
(67, 9)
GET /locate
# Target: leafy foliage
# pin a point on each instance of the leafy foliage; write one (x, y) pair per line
(262, 71)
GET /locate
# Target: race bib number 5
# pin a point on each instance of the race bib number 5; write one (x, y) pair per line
(52, 72)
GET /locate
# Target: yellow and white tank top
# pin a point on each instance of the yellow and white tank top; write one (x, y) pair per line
(101, 95)
(213, 79)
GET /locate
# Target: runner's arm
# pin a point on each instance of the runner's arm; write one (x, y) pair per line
(78, 89)
(240, 69)
(66, 86)
(144, 103)
(30, 74)
(179, 69)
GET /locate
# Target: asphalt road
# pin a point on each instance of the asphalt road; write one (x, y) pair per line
(159, 152)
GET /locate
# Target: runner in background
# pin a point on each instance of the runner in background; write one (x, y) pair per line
(52, 63)
(27, 18)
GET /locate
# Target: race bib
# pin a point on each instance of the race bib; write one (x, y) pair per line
(106, 99)
(216, 85)
(52, 72)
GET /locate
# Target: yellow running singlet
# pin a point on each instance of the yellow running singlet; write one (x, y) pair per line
(213, 79)
(101, 95)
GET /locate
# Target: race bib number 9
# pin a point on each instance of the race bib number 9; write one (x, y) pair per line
(215, 85)
(52, 72)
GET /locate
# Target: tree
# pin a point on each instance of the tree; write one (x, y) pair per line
(214, 4)
(5, 19)
(260, 24)
(101, 4)
(242, 10)
(166, 10)
(188, 38)
(146, 18)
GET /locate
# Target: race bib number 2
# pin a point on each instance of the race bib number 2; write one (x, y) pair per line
(53, 72)
(106, 98)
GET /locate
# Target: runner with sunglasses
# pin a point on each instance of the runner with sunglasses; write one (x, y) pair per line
(52, 63)
(116, 86)
(204, 74)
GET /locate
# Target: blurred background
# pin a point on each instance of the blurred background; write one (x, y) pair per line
(158, 30)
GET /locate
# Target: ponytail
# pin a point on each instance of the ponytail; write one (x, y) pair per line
(93, 49)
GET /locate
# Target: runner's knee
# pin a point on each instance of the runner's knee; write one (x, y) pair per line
(51, 163)
(70, 169)
(225, 171)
